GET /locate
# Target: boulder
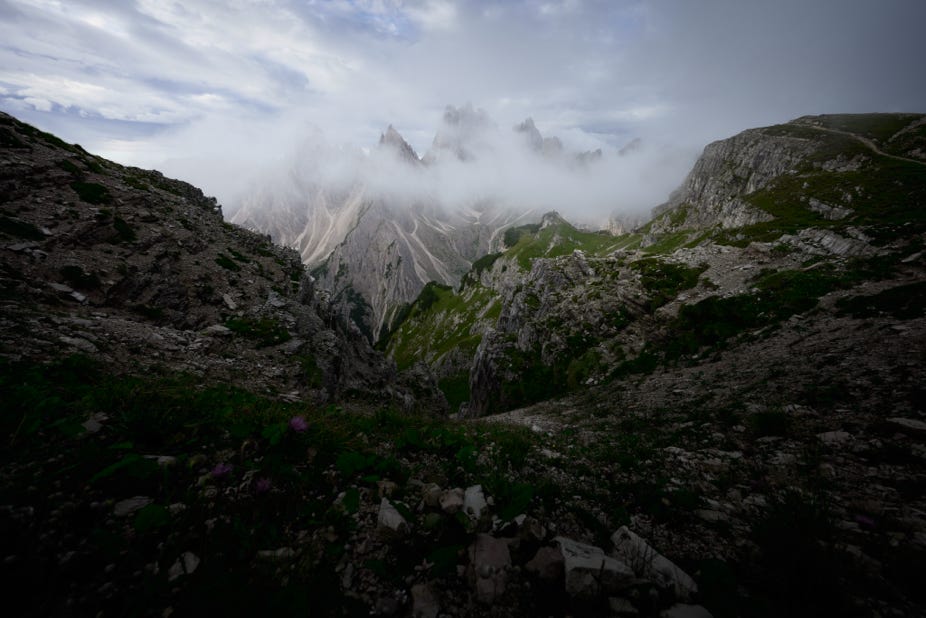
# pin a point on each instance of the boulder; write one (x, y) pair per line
(390, 520)
(126, 507)
(649, 564)
(909, 426)
(424, 602)
(451, 500)
(589, 572)
(474, 501)
(489, 561)
(547, 564)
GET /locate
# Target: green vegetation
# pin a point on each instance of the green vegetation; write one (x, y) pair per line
(514, 234)
(265, 331)
(440, 321)
(878, 127)
(713, 321)
(68, 166)
(91, 192)
(883, 196)
(479, 266)
(124, 231)
(560, 239)
(456, 390)
(226, 262)
(664, 280)
(276, 471)
(9, 139)
(136, 183)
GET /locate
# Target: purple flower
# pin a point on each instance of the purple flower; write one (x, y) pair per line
(298, 424)
(865, 521)
(221, 470)
(262, 485)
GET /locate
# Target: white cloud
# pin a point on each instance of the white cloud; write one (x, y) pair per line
(242, 79)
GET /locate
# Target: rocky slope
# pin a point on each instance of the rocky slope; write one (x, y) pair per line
(779, 216)
(749, 364)
(141, 271)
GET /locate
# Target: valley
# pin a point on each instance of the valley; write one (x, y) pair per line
(479, 412)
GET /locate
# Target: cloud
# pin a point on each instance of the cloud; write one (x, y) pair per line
(475, 160)
(183, 85)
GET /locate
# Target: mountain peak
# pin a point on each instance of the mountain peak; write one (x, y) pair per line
(393, 139)
(530, 131)
(552, 218)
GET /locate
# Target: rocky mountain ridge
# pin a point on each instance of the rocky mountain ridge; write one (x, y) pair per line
(142, 271)
(753, 213)
(374, 243)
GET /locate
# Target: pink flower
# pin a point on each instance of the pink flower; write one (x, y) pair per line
(221, 470)
(298, 424)
(262, 485)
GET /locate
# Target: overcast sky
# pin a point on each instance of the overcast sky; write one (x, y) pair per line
(208, 90)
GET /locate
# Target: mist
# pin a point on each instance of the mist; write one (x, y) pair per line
(474, 160)
(216, 93)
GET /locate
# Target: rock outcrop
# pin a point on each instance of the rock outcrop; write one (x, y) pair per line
(138, 270)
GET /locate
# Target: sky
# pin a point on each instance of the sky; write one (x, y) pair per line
(217, 92)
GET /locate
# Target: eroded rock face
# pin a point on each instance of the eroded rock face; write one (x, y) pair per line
(128, 260)
(712, 193)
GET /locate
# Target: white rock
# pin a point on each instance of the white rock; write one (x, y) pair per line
(81, 344)
(589, 572)
(130, 505)
(489, 561)
(834, 437)
(647, 563)
(217, 329)
(390, 519)
(229, 302)
(451, 500)
(910, 425)
(431, 494)
(474, 501)
(184, 565)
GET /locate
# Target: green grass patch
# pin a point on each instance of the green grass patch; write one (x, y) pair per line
(227, 263)
(92, 192)
(878, 127)
(664, 280)
(455, 389)
(440, 321)
(265, 331)
(124, 231)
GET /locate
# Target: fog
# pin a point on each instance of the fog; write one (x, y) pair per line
(217, 93)
(472, 160)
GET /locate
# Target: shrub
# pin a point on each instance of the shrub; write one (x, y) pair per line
(265, 331)
(92, 192)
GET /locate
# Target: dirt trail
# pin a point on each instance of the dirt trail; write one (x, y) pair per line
(869, 144)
